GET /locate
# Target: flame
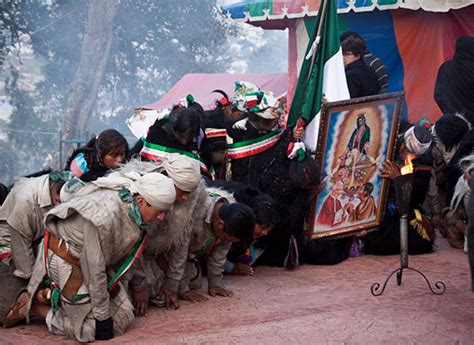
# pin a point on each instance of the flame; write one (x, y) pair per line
(408, 167)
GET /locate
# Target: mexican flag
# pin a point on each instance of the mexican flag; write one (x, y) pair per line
(322, 72)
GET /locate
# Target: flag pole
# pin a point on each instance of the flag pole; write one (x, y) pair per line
(321, 12)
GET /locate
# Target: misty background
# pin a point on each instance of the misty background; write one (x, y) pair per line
(73, 68)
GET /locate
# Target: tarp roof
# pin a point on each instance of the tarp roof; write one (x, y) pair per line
(201, 87)
(254, 11)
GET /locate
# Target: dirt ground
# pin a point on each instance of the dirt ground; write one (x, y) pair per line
(314, 305)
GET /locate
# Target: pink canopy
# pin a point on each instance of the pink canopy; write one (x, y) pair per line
(201, 86)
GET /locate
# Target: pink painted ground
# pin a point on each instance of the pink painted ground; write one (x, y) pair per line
(315, 305)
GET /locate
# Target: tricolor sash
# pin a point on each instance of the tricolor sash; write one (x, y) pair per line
(127, 263)
(252, 147)
(5, 251)
(156, 152)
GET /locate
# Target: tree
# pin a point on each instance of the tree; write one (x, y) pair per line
(95, 50)
(66, 83)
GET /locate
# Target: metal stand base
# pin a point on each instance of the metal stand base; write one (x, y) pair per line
(375, 289)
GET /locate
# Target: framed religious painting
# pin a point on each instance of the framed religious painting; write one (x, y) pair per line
(355, 137)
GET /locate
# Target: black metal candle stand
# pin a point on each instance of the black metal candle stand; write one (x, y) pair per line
(403, 188)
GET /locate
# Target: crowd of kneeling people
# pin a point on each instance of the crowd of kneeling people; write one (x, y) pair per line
(120, 229)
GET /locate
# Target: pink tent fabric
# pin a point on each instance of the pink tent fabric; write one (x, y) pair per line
(201, 86)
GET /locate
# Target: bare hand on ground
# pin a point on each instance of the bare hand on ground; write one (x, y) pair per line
(171, 299)
(140, 301)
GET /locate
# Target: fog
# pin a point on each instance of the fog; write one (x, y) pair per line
(152, 45)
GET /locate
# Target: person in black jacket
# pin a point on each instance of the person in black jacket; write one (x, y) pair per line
(361, 80)
(454, 87)
(258, 154)
(415, 141)
(179, 132)
(215, 123)
(373, 62)
(244, 254)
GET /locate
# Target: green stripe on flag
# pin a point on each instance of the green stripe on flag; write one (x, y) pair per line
(308, 95)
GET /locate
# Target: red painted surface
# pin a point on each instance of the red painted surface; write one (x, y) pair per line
(434, 35)
(420, 29)
(456, 24)
(314, 305)
(201, 85)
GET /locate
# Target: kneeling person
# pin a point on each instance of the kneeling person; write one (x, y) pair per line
(88, 240)
(224, 223)
(21, 219)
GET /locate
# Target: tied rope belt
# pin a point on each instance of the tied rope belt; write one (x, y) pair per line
(75, 280)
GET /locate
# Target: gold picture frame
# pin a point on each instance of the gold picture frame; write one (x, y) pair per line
(355, 137)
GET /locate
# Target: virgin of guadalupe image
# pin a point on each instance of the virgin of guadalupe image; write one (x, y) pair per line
(356, 166)
(357, 141)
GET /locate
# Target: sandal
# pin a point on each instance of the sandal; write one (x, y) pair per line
(18, 311)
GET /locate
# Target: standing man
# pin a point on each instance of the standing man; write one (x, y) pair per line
(361, 80)
(373, 62)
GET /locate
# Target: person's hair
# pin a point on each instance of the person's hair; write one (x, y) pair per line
(3, 193)
(265, 209)
(306, 174)
(404, 126)
(450, 128)
(262, 204)
(39, 173)
(353, 45)
(108, 142)
(464, 48)
(55, 186)
(111, 142)
(255, 119)
(186, 121)
(351, 34)
(239, 220)
(368, 188)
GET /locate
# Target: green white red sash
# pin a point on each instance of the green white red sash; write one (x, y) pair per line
(5, 251)
(252, 147)
(156, 152)
(126, 264)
